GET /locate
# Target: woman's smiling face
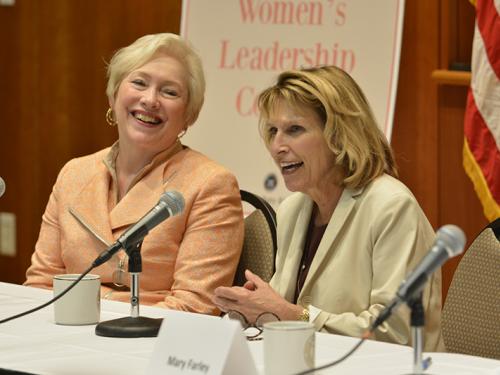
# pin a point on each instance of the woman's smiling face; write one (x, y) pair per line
(299, 148)
(150, 104)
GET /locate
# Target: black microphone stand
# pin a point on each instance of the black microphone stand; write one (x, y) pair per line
(417, 321)
(133, 325)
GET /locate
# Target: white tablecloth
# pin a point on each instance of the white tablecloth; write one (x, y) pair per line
(34, 344)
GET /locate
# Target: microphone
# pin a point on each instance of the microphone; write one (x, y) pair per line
(450, 241)
(2, 186)
(170, 204)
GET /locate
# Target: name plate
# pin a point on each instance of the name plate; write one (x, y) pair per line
(199, 344)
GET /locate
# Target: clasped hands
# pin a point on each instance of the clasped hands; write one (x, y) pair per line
(253, 298)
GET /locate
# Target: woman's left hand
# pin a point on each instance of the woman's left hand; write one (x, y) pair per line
(254, 298)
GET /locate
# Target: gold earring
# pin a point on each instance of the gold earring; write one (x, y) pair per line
(182, 133)
(110, 117)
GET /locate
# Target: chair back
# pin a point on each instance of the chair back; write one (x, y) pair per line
(471, 312)
(259, 244)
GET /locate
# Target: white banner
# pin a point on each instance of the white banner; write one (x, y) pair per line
(245, 44)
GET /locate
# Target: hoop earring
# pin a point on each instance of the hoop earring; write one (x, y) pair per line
(182, 133)
(110, 117)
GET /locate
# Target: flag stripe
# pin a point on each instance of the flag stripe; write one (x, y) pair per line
(490, 206)
(483, 147)
(485, 87)
(489, 26)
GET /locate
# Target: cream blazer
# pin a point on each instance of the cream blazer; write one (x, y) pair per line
(375, 237)
(183, 259)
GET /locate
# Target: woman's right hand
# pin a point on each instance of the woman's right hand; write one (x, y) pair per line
(255, 297)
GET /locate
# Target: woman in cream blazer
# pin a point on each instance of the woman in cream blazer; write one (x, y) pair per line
(155, 89)
(351, 232)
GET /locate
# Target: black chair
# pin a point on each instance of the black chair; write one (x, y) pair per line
(259, 244)
(471, 312)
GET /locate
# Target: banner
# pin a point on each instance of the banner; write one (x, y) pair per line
(245, 44)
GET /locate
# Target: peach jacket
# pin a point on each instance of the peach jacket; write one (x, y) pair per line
(183, 259)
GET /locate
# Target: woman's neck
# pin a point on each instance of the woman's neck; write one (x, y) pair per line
(326, 196)
(129, 162)
(326, 204)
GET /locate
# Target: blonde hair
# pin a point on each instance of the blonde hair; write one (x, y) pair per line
(361, 150)
(129, 58)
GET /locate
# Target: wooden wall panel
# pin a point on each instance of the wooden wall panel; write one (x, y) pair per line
(19, 129)
(464, 31)
(415, 133)
(456, 25)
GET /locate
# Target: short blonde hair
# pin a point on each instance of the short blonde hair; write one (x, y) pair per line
(361, 150)
(126, 59)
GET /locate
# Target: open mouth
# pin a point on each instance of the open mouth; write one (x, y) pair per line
(147, 119)
(290, 167)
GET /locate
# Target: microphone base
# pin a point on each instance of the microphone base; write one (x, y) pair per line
(129, 327)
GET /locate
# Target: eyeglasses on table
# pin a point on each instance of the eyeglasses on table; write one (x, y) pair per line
(253, 331)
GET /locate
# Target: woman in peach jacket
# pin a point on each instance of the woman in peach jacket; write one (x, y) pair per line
(155, 90)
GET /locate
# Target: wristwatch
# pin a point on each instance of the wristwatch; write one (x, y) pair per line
(304, 316)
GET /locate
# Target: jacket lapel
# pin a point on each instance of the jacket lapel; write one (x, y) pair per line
(90, 206)
(144, 194)
(140, 199)
(326, 246)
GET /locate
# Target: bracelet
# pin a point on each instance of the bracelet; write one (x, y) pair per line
(304, 316)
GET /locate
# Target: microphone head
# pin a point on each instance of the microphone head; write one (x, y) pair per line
(174, 202)
(2, 186)
(452, 238)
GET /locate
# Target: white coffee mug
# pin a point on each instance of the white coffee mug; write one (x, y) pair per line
(82, 304)
(288, 347)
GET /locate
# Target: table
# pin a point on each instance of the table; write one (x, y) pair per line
(34, 344)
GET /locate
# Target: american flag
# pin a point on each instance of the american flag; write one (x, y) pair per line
(481, 151)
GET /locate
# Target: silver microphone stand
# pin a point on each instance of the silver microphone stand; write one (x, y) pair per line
(133, 325)
(417, 323)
